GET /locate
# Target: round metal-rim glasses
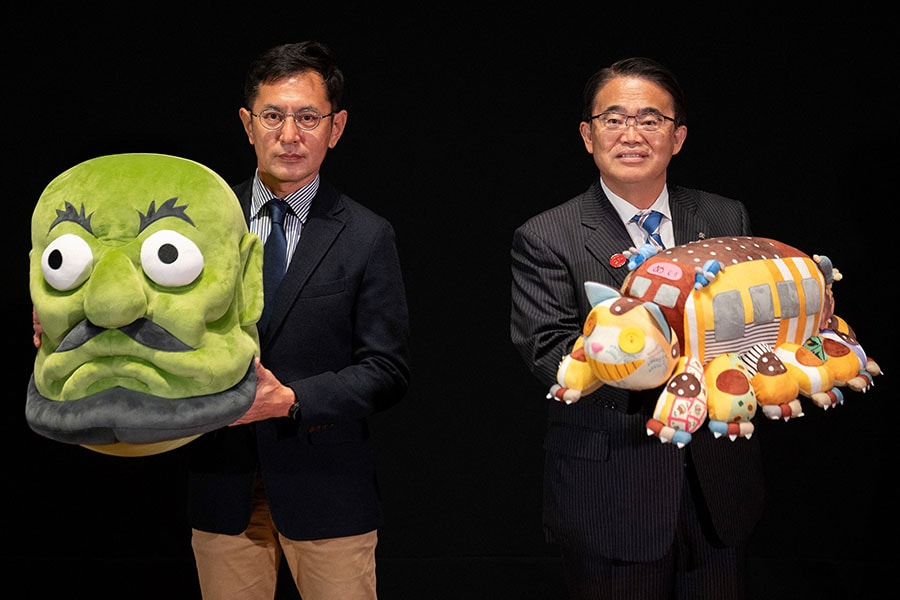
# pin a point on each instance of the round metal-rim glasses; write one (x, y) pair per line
(307, 120)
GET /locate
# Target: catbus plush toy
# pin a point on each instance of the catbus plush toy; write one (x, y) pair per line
(727, 326)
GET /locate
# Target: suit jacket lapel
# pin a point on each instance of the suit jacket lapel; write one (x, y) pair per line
(687, 224)
(607, 235)
(323, 224)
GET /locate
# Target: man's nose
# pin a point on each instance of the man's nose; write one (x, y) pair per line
(289, 129)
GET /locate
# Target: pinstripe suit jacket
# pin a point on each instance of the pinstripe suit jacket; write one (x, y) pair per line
(609, 489)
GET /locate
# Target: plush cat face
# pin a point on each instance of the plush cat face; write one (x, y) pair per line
(627, 343)
(148, 287)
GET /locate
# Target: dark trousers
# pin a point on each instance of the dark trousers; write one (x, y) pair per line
(696, 567)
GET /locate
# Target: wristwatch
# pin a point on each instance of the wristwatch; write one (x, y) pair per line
(294, 411)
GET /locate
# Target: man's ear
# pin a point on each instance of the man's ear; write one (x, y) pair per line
(339, 122)
(680, 136)
(586, 135)
(247, 120)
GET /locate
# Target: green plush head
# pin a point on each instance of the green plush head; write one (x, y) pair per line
(148, 286)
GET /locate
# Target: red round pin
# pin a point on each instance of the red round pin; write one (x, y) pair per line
(617, 260)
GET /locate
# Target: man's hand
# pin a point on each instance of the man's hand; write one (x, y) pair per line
(273, 399)
(36, 325)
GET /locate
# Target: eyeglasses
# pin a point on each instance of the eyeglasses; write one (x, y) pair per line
(646, 122)
(307, 120)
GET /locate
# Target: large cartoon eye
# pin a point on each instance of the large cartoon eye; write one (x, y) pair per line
(67, 262)
(170, 259)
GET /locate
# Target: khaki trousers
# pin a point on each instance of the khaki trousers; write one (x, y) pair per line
(245, 566)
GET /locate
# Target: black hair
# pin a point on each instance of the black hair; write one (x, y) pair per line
(285, 60)
(642, 68)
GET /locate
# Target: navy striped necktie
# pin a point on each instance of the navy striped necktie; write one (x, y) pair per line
(274, 257)
(649, 222)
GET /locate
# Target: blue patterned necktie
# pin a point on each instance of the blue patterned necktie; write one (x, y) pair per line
(649, 222)
(274, 257)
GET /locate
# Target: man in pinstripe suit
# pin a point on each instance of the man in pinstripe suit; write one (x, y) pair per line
(633, 517)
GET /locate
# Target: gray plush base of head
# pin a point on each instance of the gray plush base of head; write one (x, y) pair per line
(121, 415)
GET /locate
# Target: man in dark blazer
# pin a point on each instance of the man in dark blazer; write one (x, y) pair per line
(633, 517)
(295, 476)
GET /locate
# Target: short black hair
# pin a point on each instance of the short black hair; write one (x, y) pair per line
(642, 68)
(285, 60)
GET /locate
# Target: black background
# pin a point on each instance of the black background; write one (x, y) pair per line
(463, 123)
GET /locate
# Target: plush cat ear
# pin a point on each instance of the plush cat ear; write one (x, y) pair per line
(660, 319)
(599, 292)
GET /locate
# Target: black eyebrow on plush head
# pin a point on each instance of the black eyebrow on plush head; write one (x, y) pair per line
(71, 214)
(166, 209)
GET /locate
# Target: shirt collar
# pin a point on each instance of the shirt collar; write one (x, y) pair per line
(299, 201)
(626, 210)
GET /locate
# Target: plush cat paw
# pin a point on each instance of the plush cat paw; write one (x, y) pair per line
(731, 429)
(563, 394)
(786, 411)
(667, 434)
